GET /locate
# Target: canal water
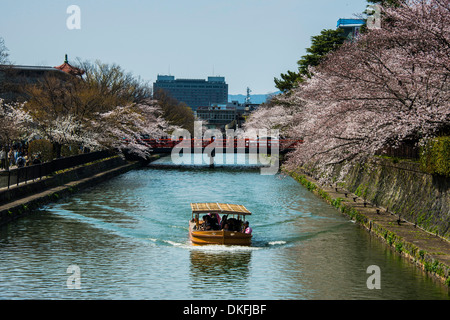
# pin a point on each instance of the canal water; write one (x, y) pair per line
(127, 238)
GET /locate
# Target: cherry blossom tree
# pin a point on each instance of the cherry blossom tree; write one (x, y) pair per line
(389, 86)
(278, 113)
(123, 127)
(12, 118)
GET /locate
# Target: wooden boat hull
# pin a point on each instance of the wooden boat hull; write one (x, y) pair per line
(220, 237)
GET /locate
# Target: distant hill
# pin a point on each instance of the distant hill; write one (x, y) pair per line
(254, 98)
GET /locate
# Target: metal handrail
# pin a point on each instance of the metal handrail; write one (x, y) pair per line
(33, 172)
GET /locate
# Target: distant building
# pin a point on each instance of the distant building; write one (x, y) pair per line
(249, 107)
(226, 116)
(217, 117)
(351, 27)
(194, 92)
(14, 78)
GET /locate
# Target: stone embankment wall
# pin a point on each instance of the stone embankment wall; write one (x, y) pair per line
(399, 204)
(404, 190)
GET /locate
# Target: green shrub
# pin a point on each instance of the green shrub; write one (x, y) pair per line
(70, 150)
(337, 202)
(435, 156)
(422, 254)
(390, 238)
(42, 147)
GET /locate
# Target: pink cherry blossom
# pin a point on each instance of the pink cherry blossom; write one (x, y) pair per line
(389, 86)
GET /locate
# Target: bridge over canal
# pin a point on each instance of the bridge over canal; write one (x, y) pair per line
(166, 146)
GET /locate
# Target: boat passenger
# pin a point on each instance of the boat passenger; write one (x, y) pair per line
(206, 222)
(214, 220)
(246, 228)
(224, 221)
(216, 217)
(234, 224)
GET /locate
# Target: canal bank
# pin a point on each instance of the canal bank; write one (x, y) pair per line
(23, 199)
(424, 249)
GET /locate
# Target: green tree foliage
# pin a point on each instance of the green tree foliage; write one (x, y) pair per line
(176, 113)
(435, 156)
(288, 80)
(41, 147)
(327, 41)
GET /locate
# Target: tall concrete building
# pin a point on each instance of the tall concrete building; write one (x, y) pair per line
(194, 92)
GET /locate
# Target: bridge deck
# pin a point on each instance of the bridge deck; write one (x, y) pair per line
(223, 145)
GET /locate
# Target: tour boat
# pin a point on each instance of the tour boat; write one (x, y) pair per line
(203, 230)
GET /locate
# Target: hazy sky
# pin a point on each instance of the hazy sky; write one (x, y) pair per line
(249, 42)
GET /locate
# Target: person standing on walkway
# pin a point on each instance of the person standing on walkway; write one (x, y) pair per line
(11, 158)
(20, 161)
(2, 158)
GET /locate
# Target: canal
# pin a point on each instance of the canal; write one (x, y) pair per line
(128, 239)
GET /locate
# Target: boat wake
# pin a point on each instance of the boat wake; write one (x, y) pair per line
(276, 243)
(188, 245)
(220, 248)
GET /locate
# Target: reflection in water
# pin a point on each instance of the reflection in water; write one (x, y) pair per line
(219, 273)
(236, 160)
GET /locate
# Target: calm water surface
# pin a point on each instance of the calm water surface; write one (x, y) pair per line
(129, 238)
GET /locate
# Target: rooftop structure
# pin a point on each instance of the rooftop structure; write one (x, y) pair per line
(66, 67)
(14, 78)
(350, 26)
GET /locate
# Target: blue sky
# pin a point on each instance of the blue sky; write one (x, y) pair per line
(249, 42)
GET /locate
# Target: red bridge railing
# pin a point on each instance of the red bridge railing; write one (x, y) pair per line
(282, 144)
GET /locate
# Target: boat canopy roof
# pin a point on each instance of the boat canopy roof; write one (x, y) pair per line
(224, 208)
